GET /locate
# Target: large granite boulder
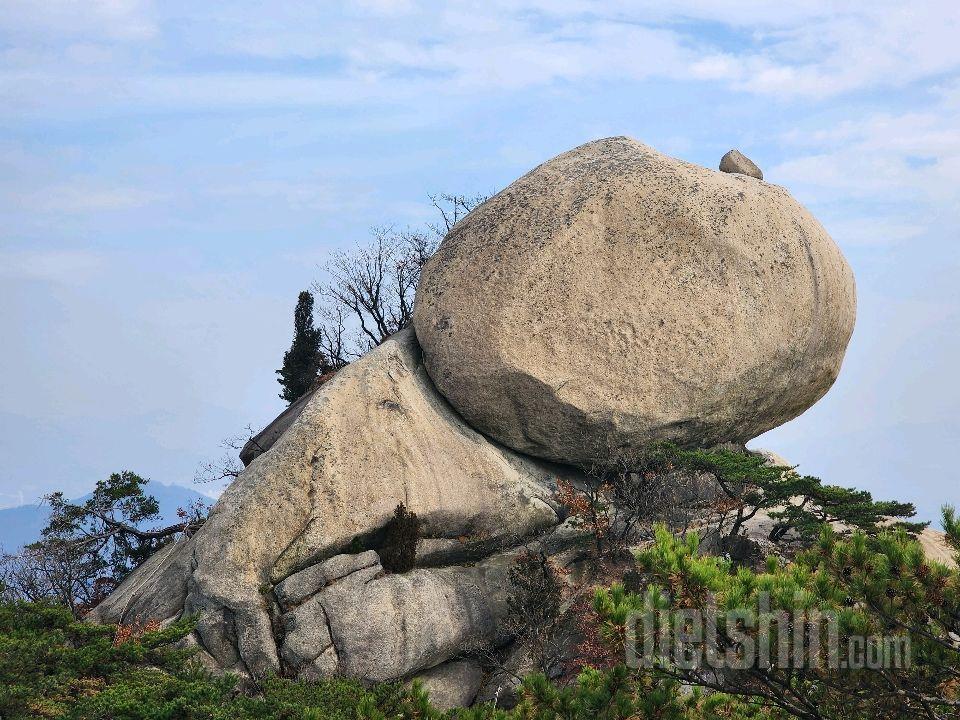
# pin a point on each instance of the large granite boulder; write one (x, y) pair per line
(615, 296)
(376, 435)
(610, 298)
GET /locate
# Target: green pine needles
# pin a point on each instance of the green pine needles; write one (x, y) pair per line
(869, 627)
(304, 361)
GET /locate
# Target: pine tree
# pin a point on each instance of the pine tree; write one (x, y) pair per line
(303, 361)
(951, 525)
(878, 587)
(87, 548)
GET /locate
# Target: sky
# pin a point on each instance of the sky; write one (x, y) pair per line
(173, 173)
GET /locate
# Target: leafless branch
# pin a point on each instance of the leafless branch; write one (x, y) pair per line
(368, 292)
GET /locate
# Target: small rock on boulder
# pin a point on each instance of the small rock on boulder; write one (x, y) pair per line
(736, 162)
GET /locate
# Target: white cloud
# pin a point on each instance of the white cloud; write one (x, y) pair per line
(388, 8)
(822, 48)
(51, 20)
(300, 195)
(873, 231)
(55, 266)
(808, 49)
(910, 162)
(261, 123)
(384, 50)
(84, 197)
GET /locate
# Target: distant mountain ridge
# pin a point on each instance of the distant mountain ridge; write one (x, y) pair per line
(21, 525)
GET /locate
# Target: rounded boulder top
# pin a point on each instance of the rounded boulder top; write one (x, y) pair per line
(615, 297)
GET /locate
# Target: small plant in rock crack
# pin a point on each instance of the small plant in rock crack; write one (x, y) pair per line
(399, 551)
(535, 609)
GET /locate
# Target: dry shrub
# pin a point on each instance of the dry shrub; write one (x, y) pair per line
(399, 551)
(135, 631)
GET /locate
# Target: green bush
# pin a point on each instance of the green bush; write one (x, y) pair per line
(52, 666)
(725, 489)
(876, 586)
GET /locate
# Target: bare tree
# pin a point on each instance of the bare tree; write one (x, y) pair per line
(366, 296)
(650, 487)
(621, 500)
(369, 291)
(452, 209)
(227, 466)
(535, 609)
(55, 572)
(334, 336)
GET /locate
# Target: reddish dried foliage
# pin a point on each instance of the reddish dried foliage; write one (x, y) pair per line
(589, 510)
(126, 633)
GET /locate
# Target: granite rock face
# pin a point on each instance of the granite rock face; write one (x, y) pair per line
(401, 624)
(615, 296)
(264, 440)
(376, 435)
(298, 587)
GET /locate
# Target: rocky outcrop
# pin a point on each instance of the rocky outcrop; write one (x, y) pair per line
(614, 297)
(299, 586)
(611, 298)
(400, 624)
(937, 548)
(157, 589)
(500, 687)
(264, 440)
(376, 435)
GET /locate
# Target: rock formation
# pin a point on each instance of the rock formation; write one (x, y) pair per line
(376, 435)
(610, 298)
(614, 296)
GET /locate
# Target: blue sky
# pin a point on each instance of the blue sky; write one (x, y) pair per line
(173, 173)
